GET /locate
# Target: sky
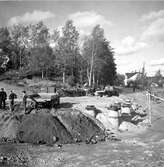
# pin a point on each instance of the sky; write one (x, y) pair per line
(135, 29)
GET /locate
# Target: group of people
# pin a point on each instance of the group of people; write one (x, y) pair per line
(3, 98)
(12, 96)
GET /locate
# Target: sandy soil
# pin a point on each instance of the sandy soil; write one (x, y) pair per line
(144, 149)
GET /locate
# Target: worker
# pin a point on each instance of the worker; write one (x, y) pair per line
(12, 96)
(24, 100)
(3, 97)
(55, 89)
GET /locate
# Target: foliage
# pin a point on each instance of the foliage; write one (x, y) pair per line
(41, 59)
(29, 50)
(71, 81)
(5, 39)
(120, 79)
(67, 51)
(98, 56)
(158, 78)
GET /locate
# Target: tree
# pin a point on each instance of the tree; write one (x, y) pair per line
(5, 46)
(142, 80)
(41, 60)
(158, 78)
(39, 35)
(98, 54)
(20, 39)
(5, 40)
(41, 56)
(120, 79)
(68, 50)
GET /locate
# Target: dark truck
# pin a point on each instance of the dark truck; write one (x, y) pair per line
(108, 91)
(43, 100)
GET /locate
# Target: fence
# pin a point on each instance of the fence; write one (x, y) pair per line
(150, 96)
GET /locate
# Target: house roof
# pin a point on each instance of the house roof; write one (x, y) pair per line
(129, 75)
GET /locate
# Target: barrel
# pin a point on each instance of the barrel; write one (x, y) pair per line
(113, 117)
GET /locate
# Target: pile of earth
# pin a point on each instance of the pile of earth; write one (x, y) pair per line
(81, 127)
(43, 127)
(9, 125)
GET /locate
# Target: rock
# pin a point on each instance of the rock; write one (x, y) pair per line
(90, 112)
(140, 111)
(125, 110)
(127, 126)
(144, 123)
(134, 106)
(104, 118)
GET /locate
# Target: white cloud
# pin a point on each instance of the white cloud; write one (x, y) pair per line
(153, 15)
(128, 46)
(157, 62)
(35, 16)
(85, 19)
(154, 26)
(154, 31)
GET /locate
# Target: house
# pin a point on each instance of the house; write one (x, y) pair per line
(130, 78)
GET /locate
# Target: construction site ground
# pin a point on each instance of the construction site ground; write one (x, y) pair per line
(140, 148)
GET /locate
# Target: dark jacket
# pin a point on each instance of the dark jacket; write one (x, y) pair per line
(3, 95)
(12, 96)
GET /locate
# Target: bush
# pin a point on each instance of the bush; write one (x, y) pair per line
(71, 81)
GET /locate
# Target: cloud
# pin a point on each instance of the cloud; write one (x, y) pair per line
(153, 15)
(128, 46)
(154, 26)
(86, 20)
(154, 31)
(35, 16)
(158, 62)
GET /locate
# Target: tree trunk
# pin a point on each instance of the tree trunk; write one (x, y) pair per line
(64, 77)
(46, 73)
(20, 59)
(42, 74)
(93, 78)
(92, 63)
(88, 74)
(97, 83)
(81, 77)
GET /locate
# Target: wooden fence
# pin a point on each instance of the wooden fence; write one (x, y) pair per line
(150, 96)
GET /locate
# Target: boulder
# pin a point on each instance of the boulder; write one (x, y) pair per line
(108, 119)
(127, 126)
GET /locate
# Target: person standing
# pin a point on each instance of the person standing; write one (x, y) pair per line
(12, 96)
(3, 97)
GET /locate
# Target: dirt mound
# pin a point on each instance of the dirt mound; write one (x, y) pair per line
(43, 128)
(66, 126)
(9, 125)
(81, 127)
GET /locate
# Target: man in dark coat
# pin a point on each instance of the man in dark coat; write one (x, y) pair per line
(12, 96)
(3, 97)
